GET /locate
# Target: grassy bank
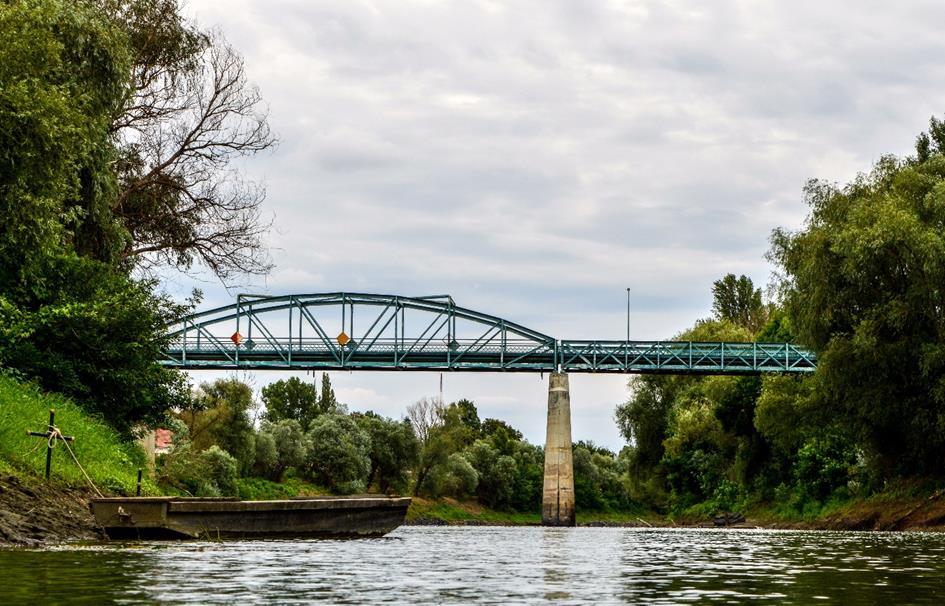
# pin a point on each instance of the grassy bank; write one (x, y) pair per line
(110, 462)
(906, 505)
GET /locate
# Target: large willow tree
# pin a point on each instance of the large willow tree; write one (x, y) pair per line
(865, 287)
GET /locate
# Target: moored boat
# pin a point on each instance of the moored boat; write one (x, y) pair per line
(188, 518)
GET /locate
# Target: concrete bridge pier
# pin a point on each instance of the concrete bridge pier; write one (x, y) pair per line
(557, 504)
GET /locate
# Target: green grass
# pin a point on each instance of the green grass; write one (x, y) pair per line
(259, 489)
(455, 512)
(111, 463)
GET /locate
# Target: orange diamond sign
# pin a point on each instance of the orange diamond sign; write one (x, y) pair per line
(343, 339)
(237, 338)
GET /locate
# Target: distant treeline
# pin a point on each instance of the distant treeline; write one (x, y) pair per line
(438, 450)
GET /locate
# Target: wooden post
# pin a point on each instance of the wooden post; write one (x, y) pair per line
(51, 436)
(49, 431)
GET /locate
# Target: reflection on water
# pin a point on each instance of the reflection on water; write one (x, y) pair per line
(494, 565)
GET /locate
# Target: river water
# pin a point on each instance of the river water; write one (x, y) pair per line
(465, 565)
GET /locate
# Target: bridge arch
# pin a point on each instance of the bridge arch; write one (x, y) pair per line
(342, 331)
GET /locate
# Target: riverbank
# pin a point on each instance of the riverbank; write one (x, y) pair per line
(34, 513)
(882, 512)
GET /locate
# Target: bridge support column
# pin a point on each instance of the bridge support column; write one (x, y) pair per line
(557, 505)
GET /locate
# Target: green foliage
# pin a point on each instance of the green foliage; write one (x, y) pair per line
(327, 402)
(496, 473)
(861, 285)
(340, 455)
(260, 489)
(63, 69)
(96, 336)
(490, 427)
(295, 399)
(824, 465)
(863, 288)
(72, 75)
(445, 434)
(460, 478)
(221, 470)
(111, 462)
(218, 415)
(394, 451)
(209, 473)
(468, 414)
(737, 300)
(280, 446)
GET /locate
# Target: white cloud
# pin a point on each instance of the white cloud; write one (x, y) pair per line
(535, 158)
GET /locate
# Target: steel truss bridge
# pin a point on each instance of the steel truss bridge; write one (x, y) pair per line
(351, 331)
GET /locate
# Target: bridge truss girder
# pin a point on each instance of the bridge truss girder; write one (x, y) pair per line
(356, 331)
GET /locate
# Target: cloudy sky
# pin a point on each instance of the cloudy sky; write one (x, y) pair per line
(536, 158)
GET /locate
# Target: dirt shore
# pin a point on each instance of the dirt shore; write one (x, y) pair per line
(35, 514)
(915, 513)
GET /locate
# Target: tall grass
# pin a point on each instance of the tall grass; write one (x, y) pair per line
(110, 462)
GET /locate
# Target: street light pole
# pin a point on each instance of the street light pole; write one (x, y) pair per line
(628, 315)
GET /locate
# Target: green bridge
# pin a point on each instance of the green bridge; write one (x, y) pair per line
(352, 331)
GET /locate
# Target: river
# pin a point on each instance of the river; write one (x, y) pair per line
(465, 565)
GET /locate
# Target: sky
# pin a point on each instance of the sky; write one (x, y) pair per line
(535, 159)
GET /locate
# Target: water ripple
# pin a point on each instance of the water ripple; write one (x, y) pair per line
(497, 566)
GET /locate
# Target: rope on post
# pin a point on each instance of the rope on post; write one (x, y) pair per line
(53, 435)
(82, 469)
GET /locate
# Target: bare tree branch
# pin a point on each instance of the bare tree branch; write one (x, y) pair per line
(190, 114)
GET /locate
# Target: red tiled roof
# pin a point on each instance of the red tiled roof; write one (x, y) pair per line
(163, 438)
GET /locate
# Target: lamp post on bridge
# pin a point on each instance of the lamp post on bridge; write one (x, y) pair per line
(628, 314)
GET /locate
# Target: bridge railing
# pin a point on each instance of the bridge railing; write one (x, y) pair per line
(683, 357)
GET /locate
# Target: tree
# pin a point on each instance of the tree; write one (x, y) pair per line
(188, 115)
(340, 457)
(280, 446)
(63, 68)
(862, 286)
(394, 450)
(327, 403)
(737, 300)
(490, 427)
(468, 414)
(424, 415)
(96, 336)
(459, 477)
(291, 398)
(497, 474)
(446, 434)
(220, 416)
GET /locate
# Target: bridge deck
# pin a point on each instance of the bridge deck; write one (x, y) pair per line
(670, 357)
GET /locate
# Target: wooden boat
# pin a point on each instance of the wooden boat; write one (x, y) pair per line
(188, 518)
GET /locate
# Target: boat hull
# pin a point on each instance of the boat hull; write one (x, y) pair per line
(177, 518)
